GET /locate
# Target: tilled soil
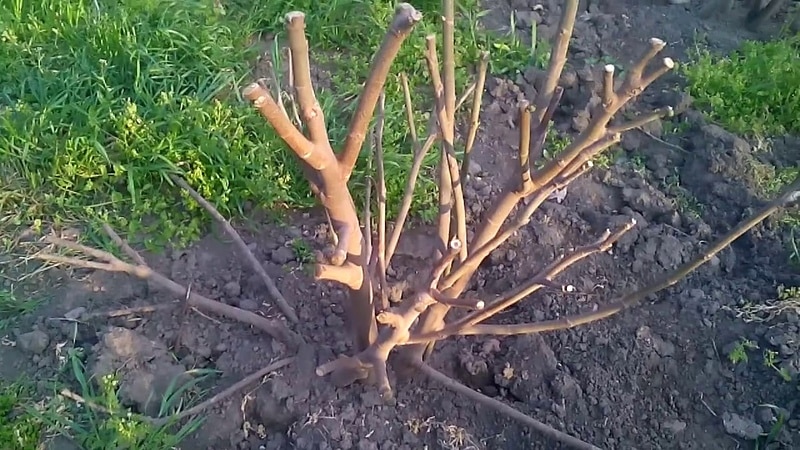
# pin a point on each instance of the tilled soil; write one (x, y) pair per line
(656, 376)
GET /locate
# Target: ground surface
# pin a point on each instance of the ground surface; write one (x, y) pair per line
(658, 376)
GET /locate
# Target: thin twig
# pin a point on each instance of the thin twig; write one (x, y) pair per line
(790, 195)
(287, 310)
(275, 328)
(504, 409)
(130, 311)
(477, 105)
(381, 180)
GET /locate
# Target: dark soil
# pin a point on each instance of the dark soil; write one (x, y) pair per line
(654, 377)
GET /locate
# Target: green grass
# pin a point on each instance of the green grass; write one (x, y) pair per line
(754, 91)
(12, 306)
(100, 101)
(19, 429)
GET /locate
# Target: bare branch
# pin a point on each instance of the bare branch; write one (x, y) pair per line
(111, 263)
(642, 120)
(445, 183)
(345, 370)
(537, 282)
(608, 85)
(449, 177)
(274, 292)
(524, 144)
(477, 104)
(558, 58)
(381, 180)
(603, 112)
(228, 392)
(310, 109)
(449, 57)
(348, 274)
(301, 146)
(790, 195)
(405, 17)
(408, 194)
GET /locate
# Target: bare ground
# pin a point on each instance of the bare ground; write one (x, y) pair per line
(653, 377)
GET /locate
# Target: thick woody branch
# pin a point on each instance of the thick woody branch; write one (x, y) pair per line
(790, 195)
(348, 274)
(310, 109)
(346, 370)
(301, 146)
(381, 180)
(287, 310)
(111, 263)
(525, 145)
(405, 17)
(558, 58)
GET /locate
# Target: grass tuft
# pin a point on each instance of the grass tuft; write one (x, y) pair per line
(755, 91)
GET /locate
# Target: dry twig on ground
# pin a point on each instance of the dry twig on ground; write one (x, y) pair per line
(107, 262)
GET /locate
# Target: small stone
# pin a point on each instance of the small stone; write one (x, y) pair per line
(474, 168)
(741, 427)
(35, 342)
(248, 304)
(204, 351)
(232, 289)
(511, 255)
(282, 255)
(675, 426)
(75, 314)
(334, 321)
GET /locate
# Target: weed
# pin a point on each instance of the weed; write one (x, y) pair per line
(303, 252)
(103, 422)
(754, 91)
(19, 430)
(739, 352)
(685, 202)
(771, 361)
(11, 306)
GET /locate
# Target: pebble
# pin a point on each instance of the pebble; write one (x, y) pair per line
(741, 427)
(282, 255)
(232, 289)
(35, 341)
(248, 304)
(75, 314)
